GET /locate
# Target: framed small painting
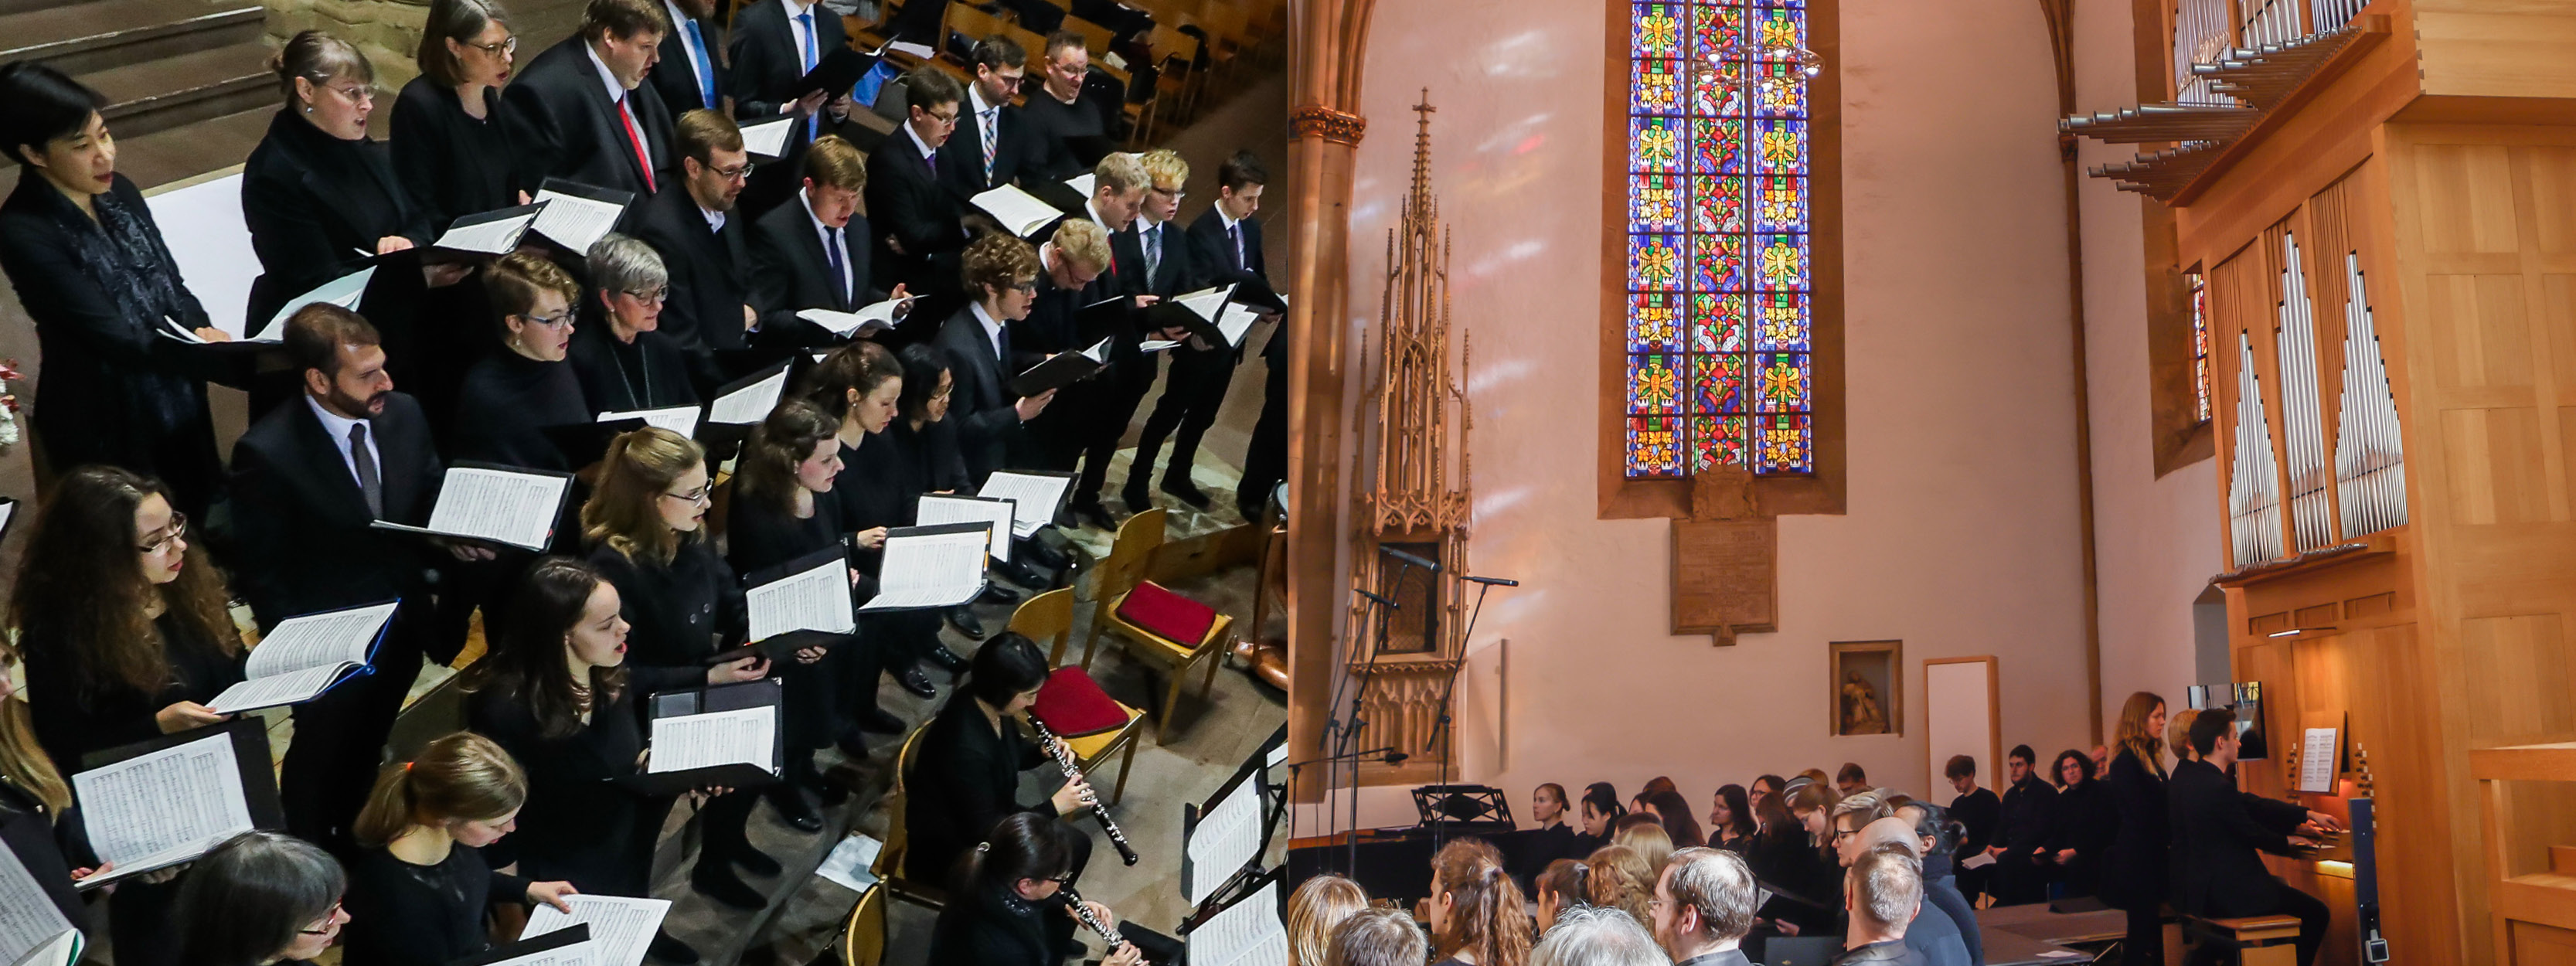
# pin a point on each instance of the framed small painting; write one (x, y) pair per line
(1868, 688)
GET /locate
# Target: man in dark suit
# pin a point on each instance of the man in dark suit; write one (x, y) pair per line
(1086, 424)
(1004, 273)
(2021, 831)
(580, 111)
(702, 244)
(307, 480)
(919, 225)
(692, 70)
(1229, 246)
(2217, 836)
(775, 44)
(1194, 387)
(992, 142)
(812, 253)
(1067, 127)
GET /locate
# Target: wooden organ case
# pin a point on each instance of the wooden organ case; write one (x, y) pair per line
(2380, 202)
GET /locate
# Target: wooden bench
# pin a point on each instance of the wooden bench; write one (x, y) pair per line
(2256, 940)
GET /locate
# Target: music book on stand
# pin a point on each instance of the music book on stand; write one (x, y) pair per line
(1060, 370)
(1225, 836)
(1247, 931)
(160, 802)
(490, 233)
(491, 503)
(748, 400)
(568, 946)
(621, 929)
(1036, 496)
(304, 656)
(937, 508)
(576, 214)
(38, 906)
(726, 735)
(931, 566)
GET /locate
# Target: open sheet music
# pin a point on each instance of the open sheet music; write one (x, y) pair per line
(678, 419)
(1227, 838)
(876, 317)
(305, 656)
(814, 599)
(29, 919)
(620, 928)
(1084, 182)
(749, 402)
(1034, 497)
(159, 809)
(1019, 211)
(931, 566)
(1060, 370)
(575, 215)
(937, 508)
(745, 736)
(344, 292)
(490, 233)
(495, 504)
(1247, 933)
(769, 138)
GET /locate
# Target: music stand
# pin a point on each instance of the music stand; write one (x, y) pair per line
(1253, 770)
(1453, 804)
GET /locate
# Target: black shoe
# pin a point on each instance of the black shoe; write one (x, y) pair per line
(1135, 495)
(726, 888)
(947, 660)
(998, 594)
(967, 623)
(1091, 513)
(916, 682)
(1023, 575)
(1039, 554)
(793, 809)
(1182, 490)
(754, 860)
(671, 950)
(878, 720)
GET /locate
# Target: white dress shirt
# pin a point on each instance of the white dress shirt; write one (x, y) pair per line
(337, 426)
(992, 330)
(831, 240)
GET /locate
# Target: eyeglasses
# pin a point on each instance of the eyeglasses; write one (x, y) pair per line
(550, 321)
(168, 535)
(329, 921)
(1029, 287)
(735, 173)
(1841, 834)
(1175, 194)
(698, 495)
(943, 119)
(651, 295)
(507, 45)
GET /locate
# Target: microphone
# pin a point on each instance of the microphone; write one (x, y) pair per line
(1493, 581)
(1390, 605)
(1407, 558)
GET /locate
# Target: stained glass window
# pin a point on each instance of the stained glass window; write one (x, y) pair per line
(2199, 341)
(1720, 275)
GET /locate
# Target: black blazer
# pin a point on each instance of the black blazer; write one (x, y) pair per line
(565, 126)
(961, 160)
(1216, 255)
(679, 611)
(907, 206)
(450, 164)
(2135, 866)
(648, 373)
(2022, 826)
(300, 521)
(988, 428)
(968, 787)
(2216, 841)
(709, 270)
(790, 271)
(992, 929)
(676, 79)
(315, 206)
(767, 62)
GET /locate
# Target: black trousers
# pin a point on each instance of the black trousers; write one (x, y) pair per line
(1265, 462)
(1192, 391)
(1096, 414)
(2145, 944)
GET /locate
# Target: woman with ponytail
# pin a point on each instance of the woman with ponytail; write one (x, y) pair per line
(1478, 917)
(419, 884)
(1563, 886)
(1007, 905)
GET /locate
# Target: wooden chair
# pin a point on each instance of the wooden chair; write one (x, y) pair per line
(1114, 578)
(863, 938)
(1049, 617)
(2256, 940)
(889, 866)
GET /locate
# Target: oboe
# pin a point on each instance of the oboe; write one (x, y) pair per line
(1064, 760)
(1082, 911)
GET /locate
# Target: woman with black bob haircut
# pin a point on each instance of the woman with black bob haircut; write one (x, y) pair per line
(456, 156)
(260, 898)
(81, 248)
(1599, 811)
(1007, 905)
(976, 752)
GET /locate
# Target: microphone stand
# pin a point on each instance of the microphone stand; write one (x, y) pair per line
(1350, 731)
(1448, 690)
(1392, 757)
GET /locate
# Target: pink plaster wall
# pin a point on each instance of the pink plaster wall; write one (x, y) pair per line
(1961, 537)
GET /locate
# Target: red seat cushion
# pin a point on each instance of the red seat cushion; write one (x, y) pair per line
(1165, 613)
(1071, 704)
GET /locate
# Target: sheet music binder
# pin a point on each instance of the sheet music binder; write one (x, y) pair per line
(721, 697)
(1058, 371)
(783, 646)
(1253, 769)
(249, 737)
(838, 72)
(31, 838)
(897, 533)
(572, 935)
(561, 497)
(443, 253)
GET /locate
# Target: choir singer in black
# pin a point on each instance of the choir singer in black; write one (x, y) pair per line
(813, 251)
(451, 121)
(580, 111)
(619, 351)
(702, 239)
(919, 225)
(319, 196)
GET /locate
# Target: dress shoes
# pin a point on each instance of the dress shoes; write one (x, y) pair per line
(669, 950)
(947, 660)
(793, 809)
(1023, 575)
(1138, 500)
(963, 616)
(1091, 514)
(998, 594)
(727, 889)
(918, 683)
(1039, 554)
(1181, 489)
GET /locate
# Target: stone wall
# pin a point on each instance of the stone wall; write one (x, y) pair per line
(387, 31)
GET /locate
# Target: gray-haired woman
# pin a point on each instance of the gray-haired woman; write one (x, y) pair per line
(623, 361)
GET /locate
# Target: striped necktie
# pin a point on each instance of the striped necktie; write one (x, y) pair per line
(992, 132)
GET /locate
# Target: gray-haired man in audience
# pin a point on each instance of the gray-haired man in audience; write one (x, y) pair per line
(1883, 890)
(1597, 936)
(1704, 904)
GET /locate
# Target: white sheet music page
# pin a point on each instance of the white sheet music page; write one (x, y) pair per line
(2317, 761)
(64, 949)
(1233, 321)
(28, 917)
(499, 505)
(304, 656)
(489, 238)
(817, 599)
(1017, 210)
(931, 570)
(741, 736)
(343, 292)
(7, 510)
(620, 928)
(1033, 497)
(574, 222)
(1085, 182)
(1247, 933)
(1207, 302)
(577, 954)
(768, 138)
(873, 317)
(184, 797)
(1227, 838)
(749, 404)
(937, 508)
(678, 419)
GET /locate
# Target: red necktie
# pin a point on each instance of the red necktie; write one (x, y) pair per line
(636, 138)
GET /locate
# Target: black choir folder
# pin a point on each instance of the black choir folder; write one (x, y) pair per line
(157, 803)
(799, 604)
(726, 735)
(562, 947)
(490, 233)
(1060, 370)
(488, 502)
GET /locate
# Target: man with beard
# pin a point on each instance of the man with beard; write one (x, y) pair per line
(310, 477)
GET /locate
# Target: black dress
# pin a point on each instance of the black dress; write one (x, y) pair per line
(967, 783)
(577, 826)
(648, 373)
(880, 485)
(452, 164)
(995, 927)
(316, 206)
(402, 914)
(678, 614)
(113, 391)
(507, 401)
(2135, 866)
(759, 536)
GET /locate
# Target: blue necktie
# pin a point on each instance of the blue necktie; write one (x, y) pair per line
(840, 273)
(814, 124)
(698, 61)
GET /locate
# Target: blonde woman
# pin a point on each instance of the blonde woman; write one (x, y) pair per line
(419, 885)
(1314, 910)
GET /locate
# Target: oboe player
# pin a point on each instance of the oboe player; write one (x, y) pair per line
(974, 752)
(1008, 905)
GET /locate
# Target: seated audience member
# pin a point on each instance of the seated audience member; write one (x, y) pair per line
(511, 396)
(1938, 840)
(456, 156)
(1554, 835)
(621, 355)
(1850, 779)
(260, 899)
(1564, 885)
(1320, 904)
(1478, 917)
(1805, 865)
(1642, 832)
(1008, 902)
(2021, 831)
(813, 252)
(1883, 891)
(977, 754)
(1813, 776)
(1705, 900)
(1600, 808)
(308, 480)
(1673, 811)
(919, 226)
(419, 885)
(1730, 820)
(87, 259)
(1767, 786)
(2081, 825)
(1065, 127)
(1977, 810)
(2218, 840)
(1379, 936)
(1002, 278)
(1598, 937)
(1616, 877)
(703, 243)
(563, 123)
(318, 195)
(1932, 934)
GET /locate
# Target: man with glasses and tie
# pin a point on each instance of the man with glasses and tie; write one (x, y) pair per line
(775, 44)
(693, 225)
(308, 480)
(919, 226)
(580, 111)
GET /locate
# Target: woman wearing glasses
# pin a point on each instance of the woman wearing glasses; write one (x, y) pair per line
(455, 158)
(624, 360)
(261, 899)
(121, 620)
(508, 398)
(320, 196)
(646, 523)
